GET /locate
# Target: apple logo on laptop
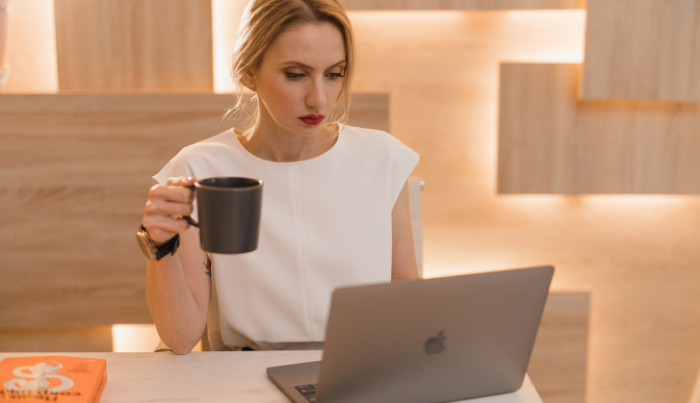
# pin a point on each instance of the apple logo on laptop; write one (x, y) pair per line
(435, 345)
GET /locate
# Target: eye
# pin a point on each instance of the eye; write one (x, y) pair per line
(335, 75)
(294, 75)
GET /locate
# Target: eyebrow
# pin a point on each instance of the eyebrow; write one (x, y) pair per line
(311, 68)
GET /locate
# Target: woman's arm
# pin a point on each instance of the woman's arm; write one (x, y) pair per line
(177, 286)
(403, 256)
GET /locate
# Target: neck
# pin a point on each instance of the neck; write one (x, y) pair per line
(269, 141)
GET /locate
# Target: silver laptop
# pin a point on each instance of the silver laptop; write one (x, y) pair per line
(435, 340)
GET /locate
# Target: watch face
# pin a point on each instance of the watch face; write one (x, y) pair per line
(146, 245)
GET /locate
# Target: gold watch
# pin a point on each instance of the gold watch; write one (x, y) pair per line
(150, 249)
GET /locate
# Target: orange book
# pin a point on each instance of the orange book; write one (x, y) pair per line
(52, 379)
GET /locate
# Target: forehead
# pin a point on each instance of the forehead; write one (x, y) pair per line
(319, 45)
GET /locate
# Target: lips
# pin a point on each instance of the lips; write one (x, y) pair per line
(312, 120)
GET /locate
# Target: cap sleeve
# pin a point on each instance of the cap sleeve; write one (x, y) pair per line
(403, 161)
(178, 166)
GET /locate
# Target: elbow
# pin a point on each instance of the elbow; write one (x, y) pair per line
(182, 348)
(180, 345)
(181, 351)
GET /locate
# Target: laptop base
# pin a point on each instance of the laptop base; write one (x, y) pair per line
(286, 377)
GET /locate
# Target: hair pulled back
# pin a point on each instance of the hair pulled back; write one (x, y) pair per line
(262, 23)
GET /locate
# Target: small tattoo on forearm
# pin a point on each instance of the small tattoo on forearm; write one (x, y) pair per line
(207, 267)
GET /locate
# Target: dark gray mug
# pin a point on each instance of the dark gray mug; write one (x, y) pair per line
(228, 209)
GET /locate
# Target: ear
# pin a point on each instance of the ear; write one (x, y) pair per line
(248, 80)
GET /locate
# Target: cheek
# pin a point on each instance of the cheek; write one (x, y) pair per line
(282, 96)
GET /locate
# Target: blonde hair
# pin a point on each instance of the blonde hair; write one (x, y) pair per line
(262, 22)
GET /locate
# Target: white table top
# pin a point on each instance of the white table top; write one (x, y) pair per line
(214, 377)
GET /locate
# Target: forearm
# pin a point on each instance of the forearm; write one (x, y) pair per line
(403, 257)
(179, 319)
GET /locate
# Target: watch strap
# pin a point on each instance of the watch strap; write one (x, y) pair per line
(169, 247)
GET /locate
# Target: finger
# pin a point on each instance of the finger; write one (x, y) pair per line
(171, 193)
(161, 228)
(181, 181)
(167, 208)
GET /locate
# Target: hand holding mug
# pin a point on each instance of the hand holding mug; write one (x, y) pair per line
(165, 207)
(228, 209)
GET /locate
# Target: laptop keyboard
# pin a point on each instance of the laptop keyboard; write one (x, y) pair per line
(309, 391)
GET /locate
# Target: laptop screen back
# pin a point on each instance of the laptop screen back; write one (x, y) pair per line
(433, 340)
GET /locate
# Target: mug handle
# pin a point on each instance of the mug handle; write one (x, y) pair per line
(187, 218)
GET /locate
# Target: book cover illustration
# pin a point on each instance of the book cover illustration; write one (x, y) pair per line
(53, 379)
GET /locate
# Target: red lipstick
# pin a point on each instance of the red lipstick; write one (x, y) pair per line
(311, 119)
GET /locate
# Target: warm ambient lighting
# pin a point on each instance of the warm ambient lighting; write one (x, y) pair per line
(550, 229)
(137, 338)
(695, 396)
(226, 15)
(568, 50)
(32, 48)
(602, 200)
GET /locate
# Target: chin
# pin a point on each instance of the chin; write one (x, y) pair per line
(307, 131)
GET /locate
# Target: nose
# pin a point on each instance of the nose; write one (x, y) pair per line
(316, 95)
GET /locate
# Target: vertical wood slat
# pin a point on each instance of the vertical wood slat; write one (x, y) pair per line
(550, 142)
(356, 5)
(643, 49)
(134, 45)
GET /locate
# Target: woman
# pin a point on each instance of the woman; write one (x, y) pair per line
(335, 203)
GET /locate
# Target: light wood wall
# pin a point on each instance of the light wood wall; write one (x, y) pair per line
(643, 49)
(356, 5)
(559, 359)
(58, 340)
(638, 254)
(550, 142)
(77, 171)
(134, 45)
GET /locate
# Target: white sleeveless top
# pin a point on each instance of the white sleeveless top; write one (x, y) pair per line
(326, 223)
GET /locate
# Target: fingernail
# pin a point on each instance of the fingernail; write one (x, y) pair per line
(189, 178)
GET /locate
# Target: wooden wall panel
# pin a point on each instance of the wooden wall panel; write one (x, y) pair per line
(134, 45)
(58, 340)
(370, 110)
(90, 140)
(352, 5)
(76, 170)
(559, 358)
(643, 49)
(550, 142)
(638, 254)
